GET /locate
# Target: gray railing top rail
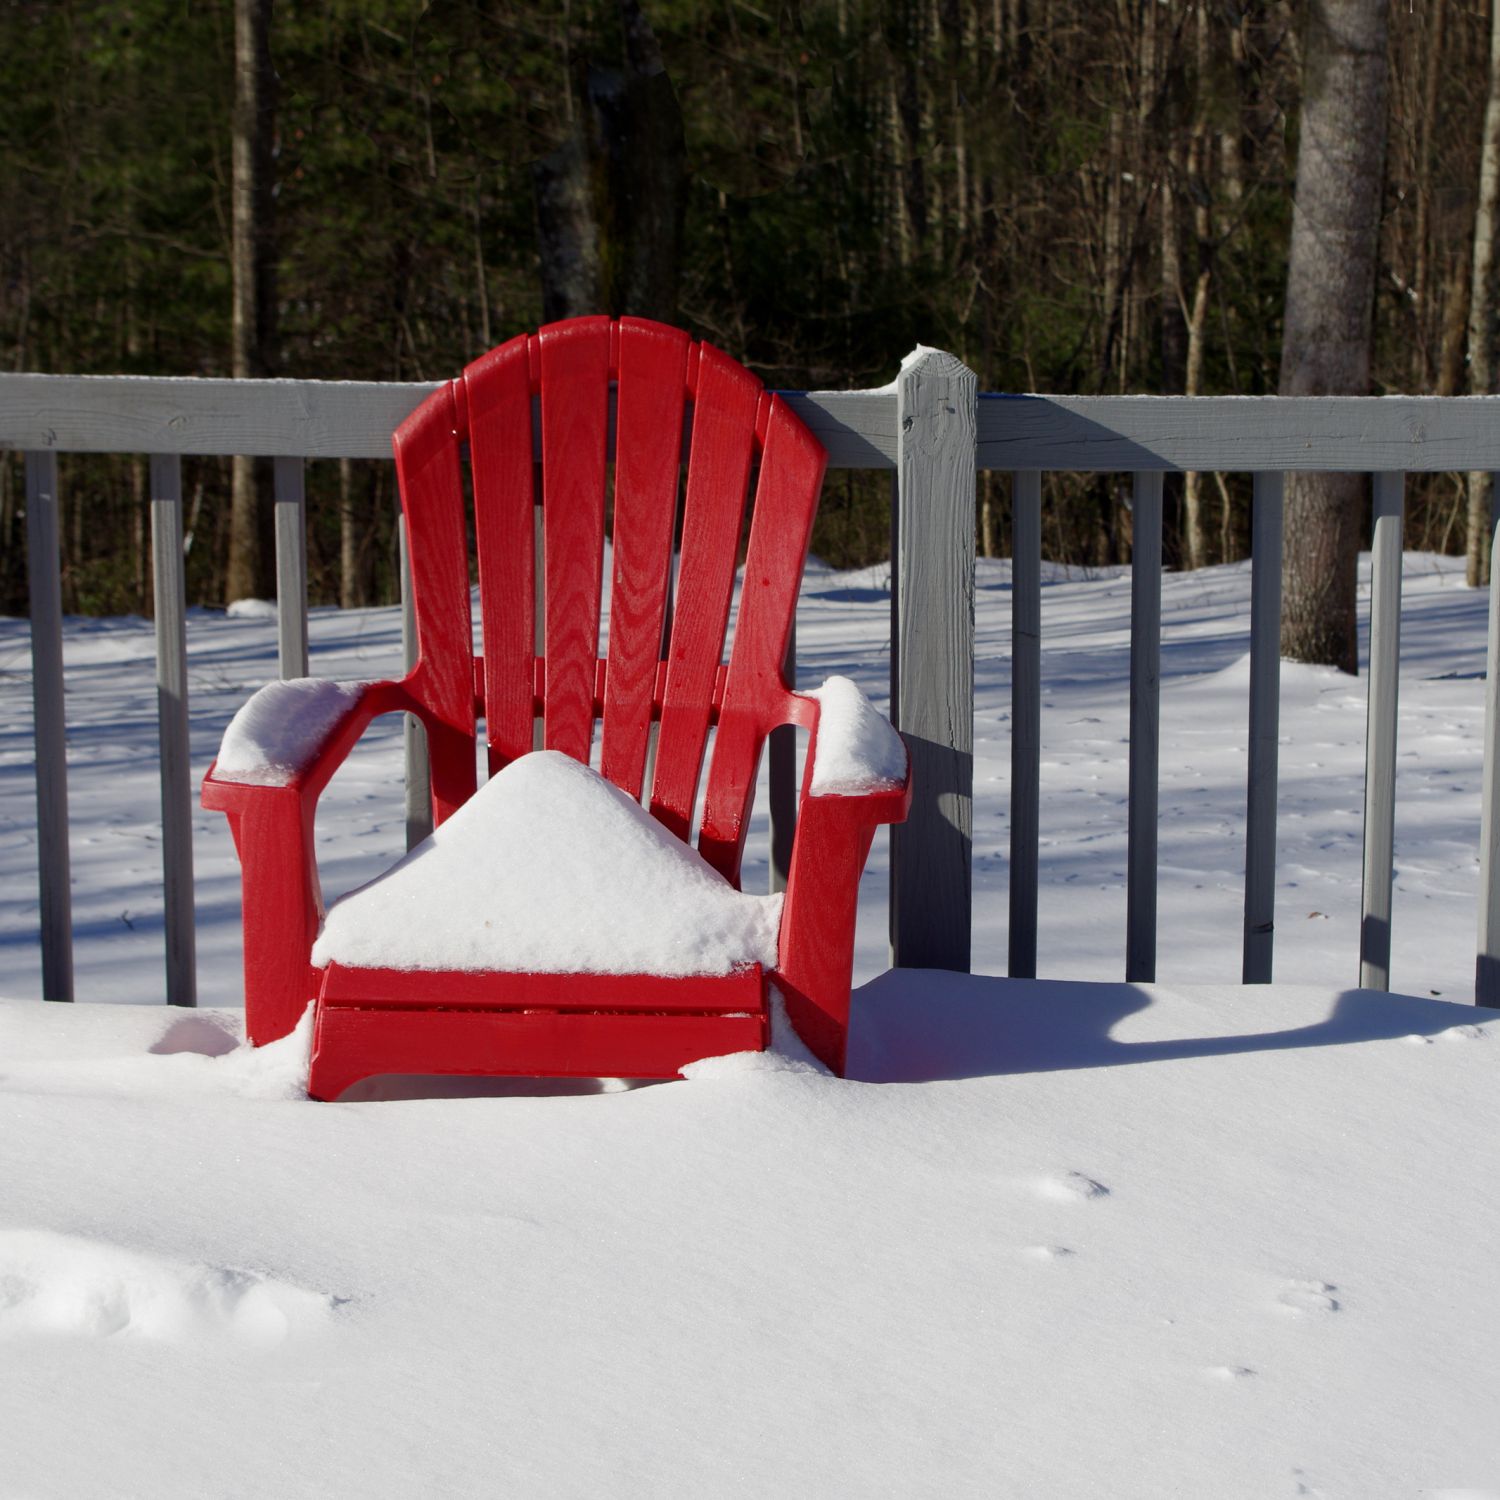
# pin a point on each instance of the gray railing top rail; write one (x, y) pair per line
(355, 419)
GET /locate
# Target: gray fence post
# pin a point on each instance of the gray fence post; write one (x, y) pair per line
(1025, 718)
(1265, 727)
(1145, 726)
(932, 659)
(1487, 963)
(291, 568)
(44, 584)
(782, 772)
(414, 736)
(170, 594)
(1380, 735)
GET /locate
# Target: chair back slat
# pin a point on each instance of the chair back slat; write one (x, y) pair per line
(574, 359)
(755, 691)
(498, 389)
(656, 370)
(432, 508)
(651, 388)
(726, 399)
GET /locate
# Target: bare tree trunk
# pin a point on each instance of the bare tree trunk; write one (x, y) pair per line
(1423, 281)
(253, 266)
(1329, 300)
(1199, 172)
(1482, 304)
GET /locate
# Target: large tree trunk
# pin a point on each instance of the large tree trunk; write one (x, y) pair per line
(1329, 300)
(1482, 303)
(610, 197)
(253, 264)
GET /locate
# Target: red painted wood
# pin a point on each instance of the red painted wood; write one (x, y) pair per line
(726, 400)
(432, 510)
(574, 358)
(755, 694)
(351, 1044)
(648, 452)
(743, 990)
(498, 389)
(373, 1021)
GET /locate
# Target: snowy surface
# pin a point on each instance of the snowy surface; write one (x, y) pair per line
(1053, 1240)
(550, 869)
(858, 751)
(280, 728)
(1061, 1241)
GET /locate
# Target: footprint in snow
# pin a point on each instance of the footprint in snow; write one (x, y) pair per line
(1048, 1252)
(1229, 1373)
(1306, 1297)
(1463, 1034)
(1072, 1187)
(62, 1284)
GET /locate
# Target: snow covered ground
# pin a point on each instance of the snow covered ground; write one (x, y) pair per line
(1053, 1240)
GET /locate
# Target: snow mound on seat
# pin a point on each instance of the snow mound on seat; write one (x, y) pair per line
(858, 751)
(550, 869)
(277, 732)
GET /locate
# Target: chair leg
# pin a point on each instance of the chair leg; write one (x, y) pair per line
(281, 904)
(816, 947)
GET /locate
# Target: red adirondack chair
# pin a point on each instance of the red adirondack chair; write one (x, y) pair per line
(372, 1021)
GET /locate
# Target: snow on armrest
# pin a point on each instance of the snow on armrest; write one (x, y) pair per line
(281, 728)
(858, 751)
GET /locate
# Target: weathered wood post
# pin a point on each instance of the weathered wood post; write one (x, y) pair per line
(44, 586)
(170, 596)
(932, 658)
(1380, 733)
(291, 567)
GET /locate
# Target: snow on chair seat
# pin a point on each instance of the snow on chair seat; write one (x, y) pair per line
(548, 869)
(630, 971)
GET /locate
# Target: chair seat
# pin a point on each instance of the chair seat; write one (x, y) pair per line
(550, 870)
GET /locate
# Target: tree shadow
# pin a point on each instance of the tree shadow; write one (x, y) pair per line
(924, 1026)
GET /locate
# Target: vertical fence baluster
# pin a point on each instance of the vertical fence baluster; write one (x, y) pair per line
(170, 595)
(291, 568)
(783, 776)
(44, 585)
(1380, 735)
(1487, 964)
(414, 736)
(1025, 718)
(1265, 727)
(932, 582)
(1145, 726)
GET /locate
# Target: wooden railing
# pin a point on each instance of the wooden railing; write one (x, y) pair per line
(934, 431)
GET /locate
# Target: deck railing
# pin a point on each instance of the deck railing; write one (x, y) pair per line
(934, 432)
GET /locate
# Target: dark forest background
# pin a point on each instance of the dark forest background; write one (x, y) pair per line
(1072, 195)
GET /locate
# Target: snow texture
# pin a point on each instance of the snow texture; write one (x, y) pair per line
(274, 736)
(858, 751)
(550, 869)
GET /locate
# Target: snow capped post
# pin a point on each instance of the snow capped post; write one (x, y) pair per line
(932, 657)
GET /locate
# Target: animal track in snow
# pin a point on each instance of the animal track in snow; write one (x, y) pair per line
(1462, 1034)
(1072, 1187)
(65, 1285)
(1228, 1373)
(1049, 1252)
(1303, 1297)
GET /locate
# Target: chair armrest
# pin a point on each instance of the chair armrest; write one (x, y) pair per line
(293, 735)
(854, 755)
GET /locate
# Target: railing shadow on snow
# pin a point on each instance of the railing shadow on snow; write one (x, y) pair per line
(928, 1026)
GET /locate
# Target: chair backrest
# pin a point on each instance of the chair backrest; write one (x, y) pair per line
(662, 381)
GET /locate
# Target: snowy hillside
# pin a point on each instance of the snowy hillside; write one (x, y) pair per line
(1051, 1240)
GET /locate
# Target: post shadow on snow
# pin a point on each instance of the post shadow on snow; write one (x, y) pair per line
(927, 1026)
